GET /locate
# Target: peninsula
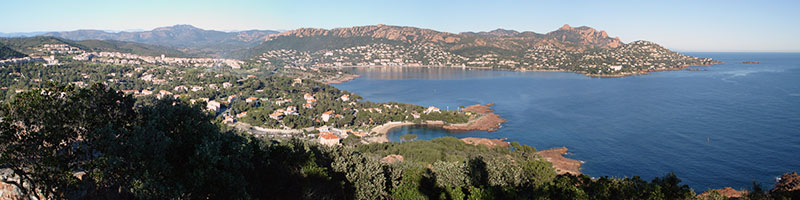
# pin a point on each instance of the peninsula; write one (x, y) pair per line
(582, 50)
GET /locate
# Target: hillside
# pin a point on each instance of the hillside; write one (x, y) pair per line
(131, 47)
(578, 49)
(32, 46)
(28, 45)
(189, 39)
(7, 52)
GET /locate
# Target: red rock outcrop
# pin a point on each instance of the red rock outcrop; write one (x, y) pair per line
(788, 182)
(560, 163)
(392, 158)
(485, 141)
(727, 191)
(586, 36)
(487, 122)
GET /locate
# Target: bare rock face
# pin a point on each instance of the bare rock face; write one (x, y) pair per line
(491, 143)
(727, 192)
(488, 121)
(392, 158)
(789, 182)
(561, 164)
(585, 36)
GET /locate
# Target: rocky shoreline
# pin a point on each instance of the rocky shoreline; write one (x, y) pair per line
(561, 164)
(343, 78)
(346, 78)
(680, 68)
(488, 121)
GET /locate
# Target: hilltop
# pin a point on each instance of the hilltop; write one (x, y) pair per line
(32, 46)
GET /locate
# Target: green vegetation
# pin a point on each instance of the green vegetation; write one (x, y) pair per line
(408, 137)
(6, 53)
(96, 143)
(317, 43)
(131, 47)
(564, 50)
(28, 45)
(269, 93)
(187, 39)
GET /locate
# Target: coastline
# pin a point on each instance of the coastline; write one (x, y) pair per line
(555, 156)
(381, 132)
(562, 164)
(347, 78)
(646, 72)
(488, 121)
(343, 78)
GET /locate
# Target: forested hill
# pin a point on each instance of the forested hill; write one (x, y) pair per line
(31, 45)
(7, 52)
(96, 143)
(190, 39)
(133, 47)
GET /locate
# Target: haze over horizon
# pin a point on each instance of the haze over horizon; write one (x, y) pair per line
(719, 26)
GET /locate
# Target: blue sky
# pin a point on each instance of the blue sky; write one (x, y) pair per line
(730, 25)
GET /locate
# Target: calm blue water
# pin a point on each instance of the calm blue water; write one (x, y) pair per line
(728, 126)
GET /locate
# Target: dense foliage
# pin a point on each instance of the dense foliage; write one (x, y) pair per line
(29, 45)
(98, 143)
(132, 47)
(6, 53)
(221, 85)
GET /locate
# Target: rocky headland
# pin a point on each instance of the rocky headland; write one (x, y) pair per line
(487, 121)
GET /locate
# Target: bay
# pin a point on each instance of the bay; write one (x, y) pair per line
(730, 125)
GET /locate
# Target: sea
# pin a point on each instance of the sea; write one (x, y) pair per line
(730, 125)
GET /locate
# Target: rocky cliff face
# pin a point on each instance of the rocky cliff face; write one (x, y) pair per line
(585, 36)
(499, 38)
(789, 182)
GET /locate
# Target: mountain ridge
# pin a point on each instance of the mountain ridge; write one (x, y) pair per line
(579, 49)
(188, 38)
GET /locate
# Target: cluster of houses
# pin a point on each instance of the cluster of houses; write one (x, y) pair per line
(332, 136)
(144, 92)
(48, 60)
(59, 49)
(366, 55)
(129, 58)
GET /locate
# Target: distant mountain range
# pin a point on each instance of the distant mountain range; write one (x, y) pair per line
(188, 39)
